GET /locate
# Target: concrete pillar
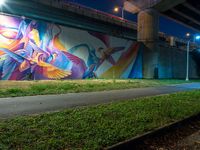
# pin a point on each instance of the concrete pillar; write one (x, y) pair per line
(148, 27)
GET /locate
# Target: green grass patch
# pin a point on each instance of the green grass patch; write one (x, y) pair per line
(97, 126)
(29, 88)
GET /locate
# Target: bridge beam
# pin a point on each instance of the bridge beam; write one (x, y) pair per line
(135, 6)
(167, 4)
(185, 16)
(148, 28)
(189, 6)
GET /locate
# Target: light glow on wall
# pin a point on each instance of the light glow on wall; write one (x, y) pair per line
(36, 50)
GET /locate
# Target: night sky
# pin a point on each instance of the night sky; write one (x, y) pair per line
(167, 26)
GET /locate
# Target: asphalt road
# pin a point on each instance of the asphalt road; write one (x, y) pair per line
(10, 107)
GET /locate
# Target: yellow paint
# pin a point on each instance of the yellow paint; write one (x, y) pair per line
(122, 64)
(35, 35)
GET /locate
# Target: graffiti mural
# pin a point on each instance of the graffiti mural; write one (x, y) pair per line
(35, 50)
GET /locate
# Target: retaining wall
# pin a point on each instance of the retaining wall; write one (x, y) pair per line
(37, 50)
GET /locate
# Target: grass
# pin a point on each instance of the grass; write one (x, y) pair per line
(97, 126)
(29, 88)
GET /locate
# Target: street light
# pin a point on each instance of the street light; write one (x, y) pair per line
(187, 65)
(195, 37)
(117, 8)
(187, 34)
(2, 2)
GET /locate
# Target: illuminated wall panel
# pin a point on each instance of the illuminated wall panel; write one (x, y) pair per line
(36, 50)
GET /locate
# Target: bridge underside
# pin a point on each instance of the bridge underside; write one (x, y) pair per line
(67, 15)
(187, 13)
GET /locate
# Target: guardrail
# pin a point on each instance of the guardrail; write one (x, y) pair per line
(173, 41)
(89, 12)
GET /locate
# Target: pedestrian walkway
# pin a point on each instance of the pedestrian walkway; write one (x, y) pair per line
(10, 107)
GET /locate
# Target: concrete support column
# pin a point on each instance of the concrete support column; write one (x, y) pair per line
(148, 28)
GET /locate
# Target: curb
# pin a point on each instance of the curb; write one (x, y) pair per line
(138, 140)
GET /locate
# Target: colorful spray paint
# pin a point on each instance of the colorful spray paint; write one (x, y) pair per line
(36, 50)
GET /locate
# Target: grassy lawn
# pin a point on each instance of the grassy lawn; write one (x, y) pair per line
(97, 126)
(25, 88)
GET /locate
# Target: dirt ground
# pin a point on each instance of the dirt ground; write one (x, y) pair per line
(191, 142)
(185, 137)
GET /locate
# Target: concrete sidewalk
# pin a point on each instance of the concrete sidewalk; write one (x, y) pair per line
(10, 107)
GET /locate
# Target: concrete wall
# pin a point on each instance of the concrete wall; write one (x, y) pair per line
(37, 50)
(172, 64)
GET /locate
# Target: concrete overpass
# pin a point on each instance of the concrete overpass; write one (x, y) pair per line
(79, 16)
(69, 14)
(183, 11)
(186, 12)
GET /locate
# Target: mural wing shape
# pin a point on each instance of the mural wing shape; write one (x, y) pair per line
(51, 72)
(74, 58)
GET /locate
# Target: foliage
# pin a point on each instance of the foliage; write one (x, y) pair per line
(29, 88)
(97, 126)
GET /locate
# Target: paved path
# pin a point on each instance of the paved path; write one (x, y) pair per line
(10, 107)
